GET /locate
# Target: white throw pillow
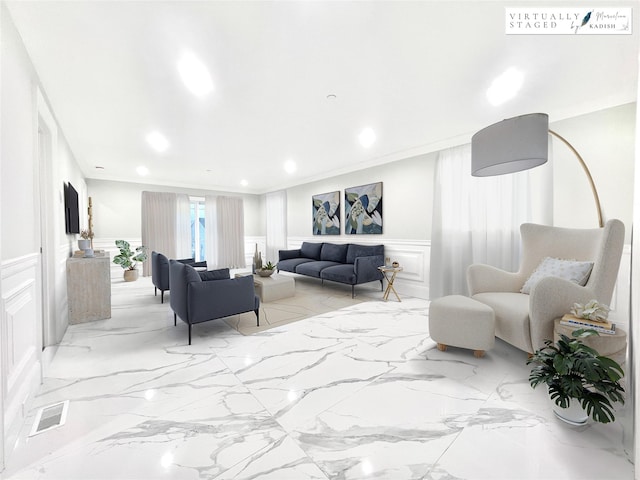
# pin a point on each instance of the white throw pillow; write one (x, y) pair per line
(576, 272)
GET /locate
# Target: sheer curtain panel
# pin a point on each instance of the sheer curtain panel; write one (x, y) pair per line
(477, 219)
(158, 225)
(183, 226)
(276, 217)
(225, 241)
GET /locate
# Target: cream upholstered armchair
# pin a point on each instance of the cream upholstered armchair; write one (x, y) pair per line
(526, 320)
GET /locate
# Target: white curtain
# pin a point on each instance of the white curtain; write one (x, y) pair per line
(224, 220)
(477, 219)
(183, 226)
(158, 225)
(276, 217)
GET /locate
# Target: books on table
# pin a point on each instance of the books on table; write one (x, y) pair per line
(577, 322)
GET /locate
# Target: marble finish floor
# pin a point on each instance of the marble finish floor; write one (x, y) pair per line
(356, 393)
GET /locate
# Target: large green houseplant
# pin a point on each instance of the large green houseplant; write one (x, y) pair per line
(128, 259)
(576, 372)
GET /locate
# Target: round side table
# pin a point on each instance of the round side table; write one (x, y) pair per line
(613, 346)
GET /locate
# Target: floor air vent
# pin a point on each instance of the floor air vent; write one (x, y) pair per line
(50, 417)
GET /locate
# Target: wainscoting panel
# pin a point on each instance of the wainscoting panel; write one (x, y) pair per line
(21, 325)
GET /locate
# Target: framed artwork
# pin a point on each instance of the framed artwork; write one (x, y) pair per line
(363, 209)
(326, 213)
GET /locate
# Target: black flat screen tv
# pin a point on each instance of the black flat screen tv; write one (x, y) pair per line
(71, 210)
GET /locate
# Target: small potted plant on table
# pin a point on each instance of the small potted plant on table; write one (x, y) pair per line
(581, 382)
(128, 259)
(266, 270)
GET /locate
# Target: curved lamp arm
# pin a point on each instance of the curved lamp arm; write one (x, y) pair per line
(587, 172)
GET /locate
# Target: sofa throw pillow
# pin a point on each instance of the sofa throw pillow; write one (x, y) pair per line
(572, 270)
(310, 250)
(220, 274)
(332, 252)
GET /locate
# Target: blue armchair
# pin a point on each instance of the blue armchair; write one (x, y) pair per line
(196, 300)
(160, 271)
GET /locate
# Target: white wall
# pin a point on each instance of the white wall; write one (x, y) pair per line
(606, 141)
(24, 330)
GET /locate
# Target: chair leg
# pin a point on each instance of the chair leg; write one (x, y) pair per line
(189, 334)
(161, 296)
(353, 291)
(381, 286)
(174, 320)
(257, 311)
(155, 291)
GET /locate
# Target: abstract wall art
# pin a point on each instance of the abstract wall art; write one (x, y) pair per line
(326, 213)
(363, 209)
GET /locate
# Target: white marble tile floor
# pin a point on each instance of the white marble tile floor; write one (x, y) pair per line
(355, 393)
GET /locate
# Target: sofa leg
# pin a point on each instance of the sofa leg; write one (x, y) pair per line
(161, 296)
(175, 320)
(189, 334)
(257, 312)
(353, 291)
(381, 285)
(155, 291)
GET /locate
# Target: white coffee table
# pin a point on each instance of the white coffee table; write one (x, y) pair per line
(274, 287)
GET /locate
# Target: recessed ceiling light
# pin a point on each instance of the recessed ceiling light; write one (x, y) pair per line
(367, 137)
(331, 96)
(194, 74)
(142, 170)
(98, 167)
(290, 166)
(158, 141)
(505, 86)
(244, 183)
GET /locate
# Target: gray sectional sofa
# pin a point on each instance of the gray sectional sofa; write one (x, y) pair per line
(343, 263)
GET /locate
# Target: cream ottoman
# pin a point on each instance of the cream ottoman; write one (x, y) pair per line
(460, 321)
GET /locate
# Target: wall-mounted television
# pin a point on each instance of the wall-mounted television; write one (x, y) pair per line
(71, 209)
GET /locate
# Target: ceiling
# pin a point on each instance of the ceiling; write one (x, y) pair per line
(299, 81)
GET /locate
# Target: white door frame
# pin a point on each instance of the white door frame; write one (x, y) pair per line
(47, 150)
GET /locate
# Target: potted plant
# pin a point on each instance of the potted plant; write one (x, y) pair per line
(578, 378)
(266, 270)
(129, 259)
(84, 242)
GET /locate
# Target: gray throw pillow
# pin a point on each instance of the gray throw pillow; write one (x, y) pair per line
(220, 274)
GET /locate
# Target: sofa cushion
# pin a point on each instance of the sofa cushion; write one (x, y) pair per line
(355, 251)
(334, 253)
(313, 269)
(574, 271)
(512, 316)
(220, 274)
(291, 264)
(310, 250)
(340, 273)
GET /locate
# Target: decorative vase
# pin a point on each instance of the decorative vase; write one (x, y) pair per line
(130, 275)
(257, 260)
(83, 244)
(574, 414)
(263, 272)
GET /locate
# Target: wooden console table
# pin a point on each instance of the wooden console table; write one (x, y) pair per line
(88, 289)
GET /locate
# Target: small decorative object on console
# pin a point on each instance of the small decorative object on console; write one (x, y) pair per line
(592, 310)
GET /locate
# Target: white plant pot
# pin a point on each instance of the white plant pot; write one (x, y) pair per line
(574, 414)
(131, 275)
(84, 244)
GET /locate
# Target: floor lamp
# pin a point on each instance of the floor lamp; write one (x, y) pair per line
(518, 144)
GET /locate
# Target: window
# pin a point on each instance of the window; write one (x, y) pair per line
(198, 245)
